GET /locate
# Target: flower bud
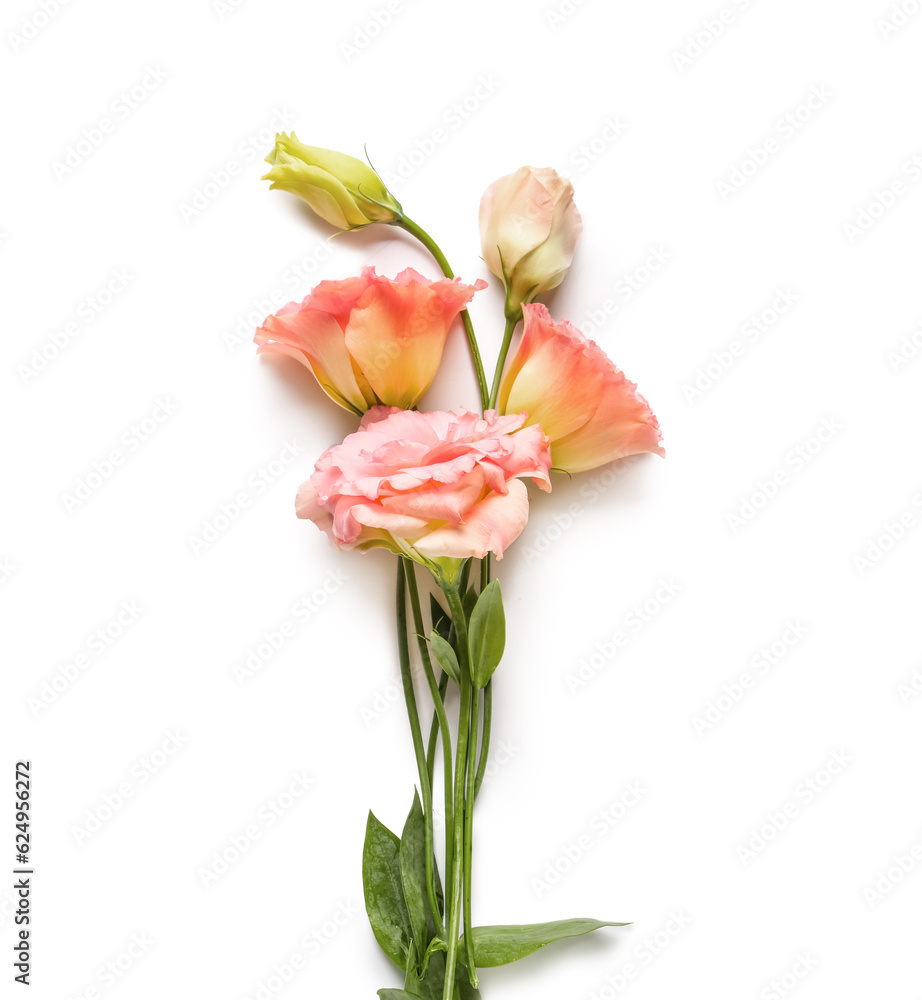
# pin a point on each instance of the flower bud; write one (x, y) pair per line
(529, 228)
(344, 191)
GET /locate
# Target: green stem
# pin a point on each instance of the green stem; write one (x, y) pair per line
(469, 840)
(413, 714)
(434, 729)
(485, 739)
(487, 698)
(439, 704)
(461, 762)
(511, 322)
(408, 225)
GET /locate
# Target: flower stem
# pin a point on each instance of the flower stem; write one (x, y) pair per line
(413, 714)
(434, 729)
(511, 323)
(485, 739)
(487, 698)
(439, 704)
(408, 225)
(469, 840)
(461, 762)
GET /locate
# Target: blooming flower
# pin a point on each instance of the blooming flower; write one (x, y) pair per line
(529, 228)
(339, 188)
(439, 487)
(587, 407)
(370, 340)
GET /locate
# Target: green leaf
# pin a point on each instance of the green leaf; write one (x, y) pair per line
(500, 945)
(446, 656)
(398, 995)
(441, 620)
(413, 877)
(413, 873)
(487, 634)
(387, 911)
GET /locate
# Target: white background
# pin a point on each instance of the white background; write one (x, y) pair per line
(171, 196)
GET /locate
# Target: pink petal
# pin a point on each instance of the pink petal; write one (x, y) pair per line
(552, 377)
(396, 334)
(623, 425)
(440, 503)
(316, 340)
(491, 526)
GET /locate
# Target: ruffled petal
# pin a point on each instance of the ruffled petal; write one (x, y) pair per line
(396, 334)
(623, 425)
(315, 339)
(589, 410)
(491, 526)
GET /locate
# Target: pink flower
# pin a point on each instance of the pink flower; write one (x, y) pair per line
(369, 340)
(566, 383)
(433, 486)
(529, 228)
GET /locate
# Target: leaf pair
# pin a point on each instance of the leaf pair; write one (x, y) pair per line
(486, 635)
(396, 899)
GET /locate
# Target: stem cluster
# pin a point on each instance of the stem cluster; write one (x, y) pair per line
(463, 779)
(462, 772)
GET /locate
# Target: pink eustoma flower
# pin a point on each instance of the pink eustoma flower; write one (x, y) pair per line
(587, 407)
(439, 487)
(370, 340)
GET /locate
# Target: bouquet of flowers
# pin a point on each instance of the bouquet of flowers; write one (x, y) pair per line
(445, 492)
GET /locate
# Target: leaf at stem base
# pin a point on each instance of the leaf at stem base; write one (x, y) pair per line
(502, 944)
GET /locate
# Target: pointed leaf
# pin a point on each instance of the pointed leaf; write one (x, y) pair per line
(487, 634)
(413, 877)
(441, 620)
(413, 873)
(445, 654)
(387, 911)
(398, 995)
(502, 944)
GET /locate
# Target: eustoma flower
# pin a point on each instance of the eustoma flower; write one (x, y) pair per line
(339, 188)
(529, 228)
(438, 487)
(587, 407)
(370, 340)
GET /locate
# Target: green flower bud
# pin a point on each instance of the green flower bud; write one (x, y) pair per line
(344, 191)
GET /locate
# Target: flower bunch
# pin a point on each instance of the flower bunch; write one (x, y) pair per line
(441, 490)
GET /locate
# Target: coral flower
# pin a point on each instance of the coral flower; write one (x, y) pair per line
(370, 340)
(587, 407)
